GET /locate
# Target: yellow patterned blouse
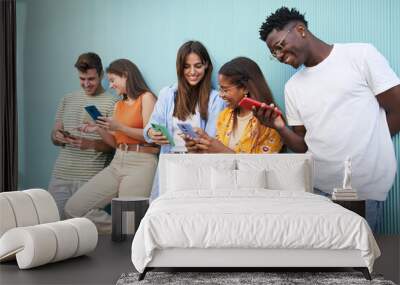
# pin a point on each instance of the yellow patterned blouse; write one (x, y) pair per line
(256, 137)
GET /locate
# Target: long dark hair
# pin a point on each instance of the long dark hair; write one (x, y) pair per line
(188, 96)
(244, 72)
(135, 83)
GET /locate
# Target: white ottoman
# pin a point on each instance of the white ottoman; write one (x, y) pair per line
(31, 232)
(37, 245)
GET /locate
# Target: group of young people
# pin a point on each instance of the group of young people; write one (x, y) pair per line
(344, 102)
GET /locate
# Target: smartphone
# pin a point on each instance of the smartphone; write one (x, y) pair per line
(164, 131)
(93, 112)
(65, 133)
(187, 130)
(248, 103)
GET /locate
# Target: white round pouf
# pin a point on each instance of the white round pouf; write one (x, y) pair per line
(66, 238)
(30, 230)
(40, 244)
(45, 205)
(7, 217)
(32, 246)
(23, 208)
(87, 234)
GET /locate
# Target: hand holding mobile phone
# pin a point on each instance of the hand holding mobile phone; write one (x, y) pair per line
(187, 130)
(248, 103)
(164, 131)
(65, 133)
(65, 138)
(93, 112)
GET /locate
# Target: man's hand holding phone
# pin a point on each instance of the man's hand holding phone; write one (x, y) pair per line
(269, 115)
(61, 136)
(65, 133)
(251, 104)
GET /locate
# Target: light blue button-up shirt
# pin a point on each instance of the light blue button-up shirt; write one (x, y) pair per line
(163, 113)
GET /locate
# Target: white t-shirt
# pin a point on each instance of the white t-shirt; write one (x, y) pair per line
(335, 101)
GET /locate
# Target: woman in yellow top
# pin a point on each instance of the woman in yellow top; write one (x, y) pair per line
(238, 130)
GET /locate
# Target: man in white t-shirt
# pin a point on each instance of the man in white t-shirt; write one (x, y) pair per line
(344, 102)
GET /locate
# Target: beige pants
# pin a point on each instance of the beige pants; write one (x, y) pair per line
(62, 190)
(129, 174)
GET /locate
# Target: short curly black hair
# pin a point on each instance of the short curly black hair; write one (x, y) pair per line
(279, 20)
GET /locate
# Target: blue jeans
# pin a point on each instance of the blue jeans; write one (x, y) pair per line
(373, 210)
(374, 213)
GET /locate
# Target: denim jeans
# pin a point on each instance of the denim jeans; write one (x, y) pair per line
(373, 210)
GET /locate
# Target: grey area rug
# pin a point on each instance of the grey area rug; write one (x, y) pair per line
(233, 278)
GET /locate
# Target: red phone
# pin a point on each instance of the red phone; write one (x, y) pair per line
(248, 103)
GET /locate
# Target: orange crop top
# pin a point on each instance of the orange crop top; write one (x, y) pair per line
(130, 116)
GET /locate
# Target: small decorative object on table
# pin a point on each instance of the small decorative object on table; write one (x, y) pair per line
(139, 205)
(346, 192)
(347, 196)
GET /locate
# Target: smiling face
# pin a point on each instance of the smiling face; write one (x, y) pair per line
(229, 92)
(118, 83)
(90, 81)
(193, 69)
(288, 45)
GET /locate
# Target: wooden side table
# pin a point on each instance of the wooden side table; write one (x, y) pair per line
(357, 206)
(139, 205)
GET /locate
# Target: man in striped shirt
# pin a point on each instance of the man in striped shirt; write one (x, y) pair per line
(82, 155)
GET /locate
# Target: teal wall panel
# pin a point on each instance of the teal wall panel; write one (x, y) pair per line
(52, 33)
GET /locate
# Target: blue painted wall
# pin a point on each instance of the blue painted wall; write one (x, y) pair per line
(52, 33)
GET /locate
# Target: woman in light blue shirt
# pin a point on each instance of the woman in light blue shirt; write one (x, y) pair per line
(191, 101)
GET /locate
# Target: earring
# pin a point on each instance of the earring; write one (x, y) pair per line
(246, 93)
(303, 35)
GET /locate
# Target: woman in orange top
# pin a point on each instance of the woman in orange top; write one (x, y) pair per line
(131, 172)
(238, 130)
